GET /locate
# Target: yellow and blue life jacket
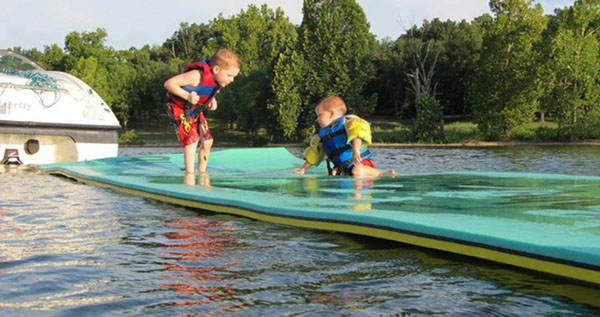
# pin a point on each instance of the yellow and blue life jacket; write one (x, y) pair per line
(336, 145)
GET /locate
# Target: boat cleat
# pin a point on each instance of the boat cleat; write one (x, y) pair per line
(11, 157)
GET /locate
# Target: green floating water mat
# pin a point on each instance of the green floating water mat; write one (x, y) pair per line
(544, 222)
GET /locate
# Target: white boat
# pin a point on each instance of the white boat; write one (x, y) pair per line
(50, 116)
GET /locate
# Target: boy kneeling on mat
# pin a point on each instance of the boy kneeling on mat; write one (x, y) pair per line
(344, 138)
(192, 92)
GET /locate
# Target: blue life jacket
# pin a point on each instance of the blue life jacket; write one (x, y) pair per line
(335, 143)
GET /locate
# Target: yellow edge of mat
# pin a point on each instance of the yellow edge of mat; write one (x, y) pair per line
(564, 270)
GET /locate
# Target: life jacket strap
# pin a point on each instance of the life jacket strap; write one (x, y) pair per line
(194, 111)
(332, 135)
(346, 164)
(329, 168)
(339, 151)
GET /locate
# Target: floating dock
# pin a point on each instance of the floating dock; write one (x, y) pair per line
(548, 223)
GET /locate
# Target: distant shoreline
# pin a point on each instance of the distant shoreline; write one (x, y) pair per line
(469, 144)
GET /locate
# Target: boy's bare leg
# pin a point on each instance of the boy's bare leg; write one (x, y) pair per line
(360, 170)
(204, 155)
(189, 155)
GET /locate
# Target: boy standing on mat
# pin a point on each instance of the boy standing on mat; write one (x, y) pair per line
(190, 94)
(344, 138)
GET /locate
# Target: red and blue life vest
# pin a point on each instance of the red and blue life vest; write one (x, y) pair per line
(335, 143)
(206, 89)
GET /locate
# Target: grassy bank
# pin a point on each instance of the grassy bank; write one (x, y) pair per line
(385, 131)
(466, 132)
(162, 133)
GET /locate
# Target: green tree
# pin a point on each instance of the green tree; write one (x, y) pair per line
(249, 103)
(101, 68)
(574, 65)
(54, 57)
(391, 62)
(460, 45)
(148, 94)
(506, 90)
(287, 102)
(335, 47)
(544, 48)
(429, 124)
(188, 42)
(89, 70)
(258, 35)
(85, 45)
(121, 78)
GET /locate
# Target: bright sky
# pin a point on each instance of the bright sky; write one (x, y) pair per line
(35, 23)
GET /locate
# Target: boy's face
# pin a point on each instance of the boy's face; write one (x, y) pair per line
(225, 76)
(326, 117)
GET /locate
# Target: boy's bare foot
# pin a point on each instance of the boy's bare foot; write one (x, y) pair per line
(391, 173)
(189, 179)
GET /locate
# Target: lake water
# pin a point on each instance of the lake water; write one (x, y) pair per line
(68, 249)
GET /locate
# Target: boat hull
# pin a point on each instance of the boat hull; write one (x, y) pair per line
(45, 144)
(51, 116)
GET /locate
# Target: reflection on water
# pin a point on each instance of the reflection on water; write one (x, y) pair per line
(191, 270)
(72, 249)
(347, 193)
(203, 179)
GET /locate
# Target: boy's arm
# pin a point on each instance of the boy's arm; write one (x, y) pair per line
(191, 78)
(358, 128)
(313, 154)
(356, 144)
(359, 132)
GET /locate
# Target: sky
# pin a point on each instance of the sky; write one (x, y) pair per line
(35, 23)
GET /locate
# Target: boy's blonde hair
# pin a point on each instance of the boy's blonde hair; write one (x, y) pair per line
(226, 59)
(333, 103)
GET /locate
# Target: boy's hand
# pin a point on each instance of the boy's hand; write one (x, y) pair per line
(193, 98)
(213, 105)
(303, 169)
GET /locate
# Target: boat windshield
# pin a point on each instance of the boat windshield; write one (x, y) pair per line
(10, 62)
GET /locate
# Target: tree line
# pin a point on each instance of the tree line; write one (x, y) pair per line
(502, 70)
